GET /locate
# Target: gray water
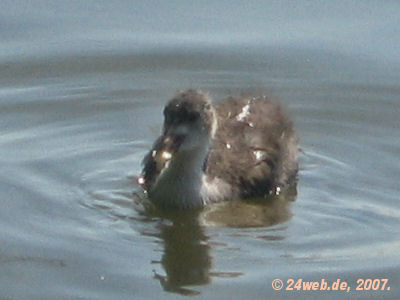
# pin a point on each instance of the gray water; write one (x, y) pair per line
(82, 87)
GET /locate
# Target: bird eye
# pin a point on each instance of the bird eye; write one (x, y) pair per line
(192, 117)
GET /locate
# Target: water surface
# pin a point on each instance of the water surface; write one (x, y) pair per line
(82, 87)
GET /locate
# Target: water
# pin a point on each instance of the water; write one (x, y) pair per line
(82, 87)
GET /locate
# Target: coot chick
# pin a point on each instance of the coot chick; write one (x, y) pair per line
(238, 148)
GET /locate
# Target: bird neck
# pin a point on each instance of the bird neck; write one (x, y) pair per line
(181, 182)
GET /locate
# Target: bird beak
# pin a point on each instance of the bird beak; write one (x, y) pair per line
(159, 157)
(171, 143)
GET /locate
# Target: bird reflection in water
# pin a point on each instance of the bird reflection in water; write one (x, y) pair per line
(187, 254)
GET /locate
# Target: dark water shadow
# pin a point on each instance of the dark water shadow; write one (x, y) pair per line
(186, 257)
(259, 212)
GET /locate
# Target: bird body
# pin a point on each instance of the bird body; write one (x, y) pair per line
(241, 147)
